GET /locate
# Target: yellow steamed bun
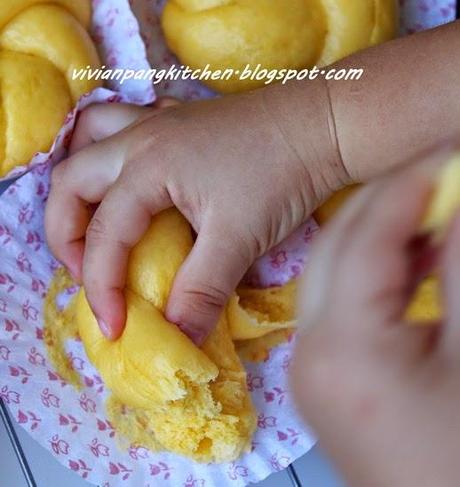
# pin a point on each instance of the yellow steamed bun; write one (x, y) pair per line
(154, 360)
(275, 34)
(326, 211)
(426, 302)
(254, 313)
(445, 201)
(193, 401)
(41, 42)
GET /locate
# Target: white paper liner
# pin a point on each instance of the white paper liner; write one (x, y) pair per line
(72, 425)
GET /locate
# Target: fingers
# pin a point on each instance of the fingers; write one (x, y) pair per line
(82, 179)
(86, 177)
(206, 280)
(367, 256)
(98, 122)
(97, 257)
(375, 272)
(315, 289)
(118, 224)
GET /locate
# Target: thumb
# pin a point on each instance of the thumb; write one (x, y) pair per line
(208, 277)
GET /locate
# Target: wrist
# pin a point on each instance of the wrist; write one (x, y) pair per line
(304, 114)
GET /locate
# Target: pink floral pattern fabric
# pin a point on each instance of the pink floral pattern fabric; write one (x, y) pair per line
(72, 424)
(417, 15)
(117, 35)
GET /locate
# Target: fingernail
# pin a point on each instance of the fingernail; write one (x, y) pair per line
(105, 329)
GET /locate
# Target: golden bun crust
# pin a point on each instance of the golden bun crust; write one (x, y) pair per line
(295, 35)
(41, 43)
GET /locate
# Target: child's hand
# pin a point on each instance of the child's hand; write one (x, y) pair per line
(241, 169)
(383, 396)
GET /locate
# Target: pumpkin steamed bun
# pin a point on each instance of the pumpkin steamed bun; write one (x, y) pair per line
(195, 400)
(276, 34)
(41, 43)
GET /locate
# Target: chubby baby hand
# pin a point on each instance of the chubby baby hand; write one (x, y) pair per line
(238, 168)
